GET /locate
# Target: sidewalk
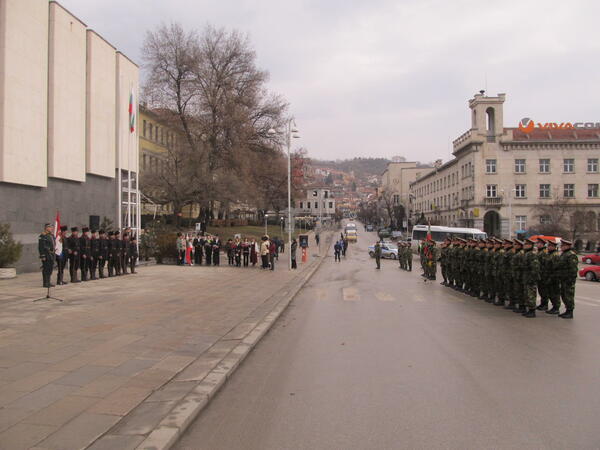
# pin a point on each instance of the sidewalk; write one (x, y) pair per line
(128, 362)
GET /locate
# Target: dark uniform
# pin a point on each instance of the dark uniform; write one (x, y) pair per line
(198, 249)
(85, 249)
(550, 277)
(62, 258)
(377, 254)
(95, 255)
(507, 280)
(125, 253)
(112, 254)
(567, 273)
(132, 254)
(102, 253)
(216, 251)
(518, 265)
(73, 250)
(118, 248)
(46, 250)
(208, 251)
(531, 276)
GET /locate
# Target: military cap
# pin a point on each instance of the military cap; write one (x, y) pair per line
(565, 242)
(528, 241)
(507, 241)
(116, 232)
(73, 229)
(101, 231)
(85, 229)
(46, 225)
(111, 233)
(64, 228)
(542, 240)
(93, 230)
(518, 241)
(552, 242)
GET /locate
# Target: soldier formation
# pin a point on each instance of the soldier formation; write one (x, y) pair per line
(405, 256)
(511, 273)
(87, 255)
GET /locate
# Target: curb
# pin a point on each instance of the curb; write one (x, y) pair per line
(183, 414)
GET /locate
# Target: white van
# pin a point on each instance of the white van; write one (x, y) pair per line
(439, 234)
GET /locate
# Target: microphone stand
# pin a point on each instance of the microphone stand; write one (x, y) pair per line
(48, 296)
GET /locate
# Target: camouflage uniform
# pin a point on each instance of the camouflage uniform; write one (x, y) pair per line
(518, 265)
(499, 287)
(444, 262)
(531, 275)
(567, 273)
(507, 279)
(550, 278)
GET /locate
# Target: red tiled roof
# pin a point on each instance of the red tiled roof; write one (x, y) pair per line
(539, 134)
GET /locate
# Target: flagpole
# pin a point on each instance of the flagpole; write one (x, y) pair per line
(129, 158)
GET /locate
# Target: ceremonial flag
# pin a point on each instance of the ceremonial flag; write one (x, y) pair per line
(428, 238)
(58, 246)
(131, 113)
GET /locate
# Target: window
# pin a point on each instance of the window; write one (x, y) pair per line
(521, 222)
(520, 191)
(491, 191)
(150, 130)
(144, 128)
(544, 166)
(544, 191)
(144, 162)
(301, 205)
(568, 165)
(592, 165)
(593, 190)
(569, 191)
(519, 166)
(490, 166)
(545, 219)
(396, 200)
(330, 205)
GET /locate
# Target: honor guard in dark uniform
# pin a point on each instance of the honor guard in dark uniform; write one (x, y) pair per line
(124, 253)
(95, 254)
(117, 252)
(85, 248)
(46, 249)
(132, 254)
(73, 244)
(112, 252)
(61, 259)
(208, 250)
(216, 251)
(102, 253)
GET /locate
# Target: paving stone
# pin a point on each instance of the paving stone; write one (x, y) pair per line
(36, 381)
(121, 401)
(143, 419)
(174, 390)
(80, 432)
(132, 367)
(11, 416)
(61, 411)
(22, 370)
(102, 386)
(174, 363)
(24, 436)
(42, 397)
(160, 438)
(83, 375)
(112, 442)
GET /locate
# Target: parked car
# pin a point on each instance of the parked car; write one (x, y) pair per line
(369, 228)
(384, 233)
(590, 273)
(591, 259)
(388, 250)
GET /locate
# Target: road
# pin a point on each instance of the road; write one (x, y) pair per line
(380, 359)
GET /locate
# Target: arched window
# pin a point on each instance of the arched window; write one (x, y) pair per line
(490, 123)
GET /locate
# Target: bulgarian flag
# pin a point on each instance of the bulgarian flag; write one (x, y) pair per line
(428, 238)
(131, 113)
(58, 245)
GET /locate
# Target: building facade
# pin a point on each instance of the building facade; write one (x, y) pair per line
(508, 180)
(66, 144)
(319, 202)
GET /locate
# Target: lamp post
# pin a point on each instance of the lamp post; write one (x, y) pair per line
(289, 133)
(266, 216)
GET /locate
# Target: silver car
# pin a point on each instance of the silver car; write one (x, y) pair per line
(388, 250)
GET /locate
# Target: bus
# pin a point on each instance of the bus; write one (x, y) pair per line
(439, 234)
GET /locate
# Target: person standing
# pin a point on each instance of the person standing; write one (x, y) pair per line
(180, 246)
(111, 249)
(216, 250)
(246, 251)
(103, 253)
(551, 277)
(73, 247)
(124, 251)
(254, 251)
(132, 254)
(444, 262)
(117, 252)
(189, 247)
(85, 250)
(230, 252)
(344, 247)
(197, 254)
(62, 254)
(46, 248)
(95, 254)
(337, 249)
(531, 276)
(317, 238)
(238, 253)
(518, 265)
(293, 250)
(567, 273)
(543, 258)
(208, 250)
(264, 252)
(377, 254)
(272, 253)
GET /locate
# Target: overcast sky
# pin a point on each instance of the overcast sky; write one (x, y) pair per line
(385, 78)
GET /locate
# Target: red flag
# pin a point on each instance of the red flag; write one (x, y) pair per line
(57, 238)
(428, 238)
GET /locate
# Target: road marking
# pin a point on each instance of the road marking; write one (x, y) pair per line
(350, 294)
(384, 296)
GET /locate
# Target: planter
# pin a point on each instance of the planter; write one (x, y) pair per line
(7, 273)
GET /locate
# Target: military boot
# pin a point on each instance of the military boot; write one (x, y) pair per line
(519, 309)
(510, 305)
(568, 314)
(554, 310)
(530, 314)
(543, 306)
(499, 302)
(101, 271)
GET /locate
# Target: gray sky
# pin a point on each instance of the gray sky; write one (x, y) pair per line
(385, 78)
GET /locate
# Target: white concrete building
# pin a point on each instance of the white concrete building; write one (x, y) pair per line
(65, 140)
(319, 203)
(506, 180)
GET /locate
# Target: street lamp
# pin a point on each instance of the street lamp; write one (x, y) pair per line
(290, 133)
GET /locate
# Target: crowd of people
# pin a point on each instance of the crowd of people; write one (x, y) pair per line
(86, 255)
(206, 249)
(511, 273)
(339, 248)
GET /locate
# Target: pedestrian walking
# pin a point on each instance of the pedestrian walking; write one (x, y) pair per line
(337, 250)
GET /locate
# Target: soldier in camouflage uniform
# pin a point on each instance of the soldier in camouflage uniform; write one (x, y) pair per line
(567, 273)
(402, 255)
(518, 265)
(409, 257)
(506, 271)
(498, 263)
(531, 276)
(543, 257)
(480, 269)
(445, 261)
(487, 264)
(550, 277)
(464, 267)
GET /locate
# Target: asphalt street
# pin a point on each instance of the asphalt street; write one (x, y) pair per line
(380, 359)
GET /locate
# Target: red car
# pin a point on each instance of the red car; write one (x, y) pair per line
(591, 259)
(590, 273)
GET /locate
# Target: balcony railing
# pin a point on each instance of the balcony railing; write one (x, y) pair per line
(492, 201)
(465, 139)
